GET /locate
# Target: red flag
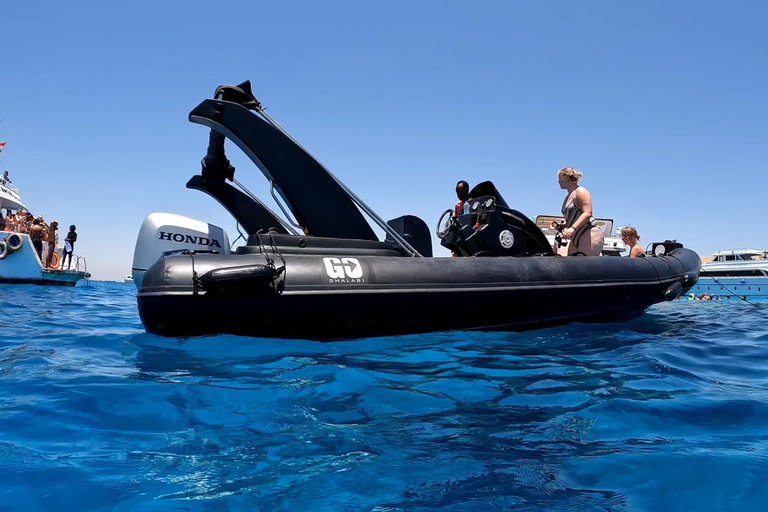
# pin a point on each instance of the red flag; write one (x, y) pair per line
(2, 145)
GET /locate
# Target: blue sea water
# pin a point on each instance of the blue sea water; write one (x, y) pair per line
(667, 412)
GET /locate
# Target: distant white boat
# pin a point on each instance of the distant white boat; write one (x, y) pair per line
(128, 279)
(734, 272)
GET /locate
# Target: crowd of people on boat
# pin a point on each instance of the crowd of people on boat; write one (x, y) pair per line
(41, 233)
(586, 238)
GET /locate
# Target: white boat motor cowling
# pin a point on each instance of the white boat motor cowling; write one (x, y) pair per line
(169, 233)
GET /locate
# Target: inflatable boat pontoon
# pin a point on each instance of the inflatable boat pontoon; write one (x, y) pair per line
(324, 274)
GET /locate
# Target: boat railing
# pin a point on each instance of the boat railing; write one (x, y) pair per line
(80, 263)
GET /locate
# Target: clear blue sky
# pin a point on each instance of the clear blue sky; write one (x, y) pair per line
(662, 106)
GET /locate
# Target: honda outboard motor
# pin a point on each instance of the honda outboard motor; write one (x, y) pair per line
(491, 228)
(162, 234)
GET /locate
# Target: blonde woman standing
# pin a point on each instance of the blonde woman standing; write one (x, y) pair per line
(587, 239)
(631, 238)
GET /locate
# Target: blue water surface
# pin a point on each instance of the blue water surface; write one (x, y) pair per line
(667, 412)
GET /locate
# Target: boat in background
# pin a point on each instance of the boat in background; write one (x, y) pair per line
(19, 263)
(613, 245)
(734, 273)
(128, 279)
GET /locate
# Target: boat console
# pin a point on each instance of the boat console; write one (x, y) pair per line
(491, 228)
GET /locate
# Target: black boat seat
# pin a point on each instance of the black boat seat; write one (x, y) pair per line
(308, 245)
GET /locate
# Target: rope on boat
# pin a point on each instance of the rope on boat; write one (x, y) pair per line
(743, 297)
(240, 235)
(270, 262)
(195, 278)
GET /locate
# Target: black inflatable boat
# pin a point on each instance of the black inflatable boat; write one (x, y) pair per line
(322, 273)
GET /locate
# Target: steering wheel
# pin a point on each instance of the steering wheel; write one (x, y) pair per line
(445, 224)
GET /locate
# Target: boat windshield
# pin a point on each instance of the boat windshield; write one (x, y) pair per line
(544, 222)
